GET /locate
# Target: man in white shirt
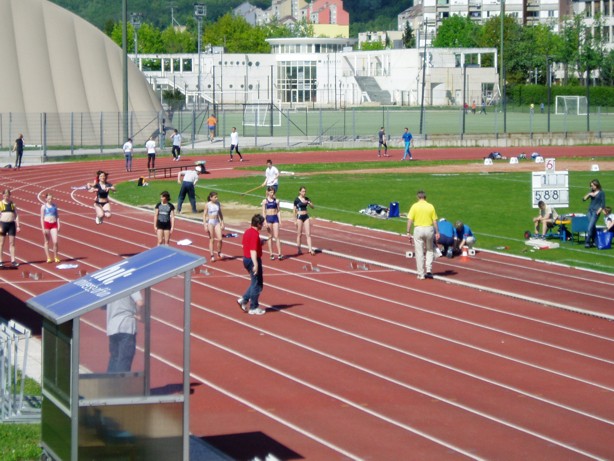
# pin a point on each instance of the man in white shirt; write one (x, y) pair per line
(121, 330)
(128, 147)
(150, 145)
(190, 178)
(176, 137)
(234, 144)
(272, 176)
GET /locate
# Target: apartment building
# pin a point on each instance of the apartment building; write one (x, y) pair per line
(426, 15)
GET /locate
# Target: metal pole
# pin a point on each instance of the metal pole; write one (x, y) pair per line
(588, 98)
(549, 73)
(125, 67)
(464, 95)
(503, 106)
(423, 81)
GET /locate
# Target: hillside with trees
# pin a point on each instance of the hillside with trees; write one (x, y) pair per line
(364, 14)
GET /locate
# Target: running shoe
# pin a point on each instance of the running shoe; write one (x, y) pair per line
(257, 311)
(242, 305)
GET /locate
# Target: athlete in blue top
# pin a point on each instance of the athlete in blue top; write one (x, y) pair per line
(408, 139)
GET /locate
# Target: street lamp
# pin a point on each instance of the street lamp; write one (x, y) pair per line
(200, 11)
(135, 20)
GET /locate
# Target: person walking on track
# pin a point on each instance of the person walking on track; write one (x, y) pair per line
(252, 262)
(423, 217)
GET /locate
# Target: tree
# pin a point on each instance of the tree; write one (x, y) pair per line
(515, 51)
(236, 35)
(149, 38)
(176, 41)
(174, 100)
(372, 46)
(457, 32)
(409, 40)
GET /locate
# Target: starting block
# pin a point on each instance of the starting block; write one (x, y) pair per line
(359, 266)
(311, 267)
(32, 275)
(201, 271)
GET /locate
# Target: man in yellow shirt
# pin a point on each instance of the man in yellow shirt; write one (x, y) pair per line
(423, 217)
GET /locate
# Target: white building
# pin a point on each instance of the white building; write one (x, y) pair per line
(526, 12)
(326, 72)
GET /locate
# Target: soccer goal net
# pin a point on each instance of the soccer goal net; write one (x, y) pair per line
(571, 105)
(259, 114)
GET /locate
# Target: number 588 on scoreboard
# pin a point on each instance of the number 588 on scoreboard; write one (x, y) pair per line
(552, 188)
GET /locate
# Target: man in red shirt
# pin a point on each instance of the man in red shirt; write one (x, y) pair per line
(252, 261)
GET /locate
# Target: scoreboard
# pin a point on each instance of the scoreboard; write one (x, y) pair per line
(551, 186)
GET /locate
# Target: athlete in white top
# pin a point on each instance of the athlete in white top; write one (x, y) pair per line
(150, 145)
(234, 143)
(271, 175)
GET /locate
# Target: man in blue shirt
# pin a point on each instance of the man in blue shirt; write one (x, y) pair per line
(408, 139)
(464, 236)
(446, 237)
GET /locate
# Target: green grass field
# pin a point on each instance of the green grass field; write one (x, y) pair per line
(311, 123)
(497, 206)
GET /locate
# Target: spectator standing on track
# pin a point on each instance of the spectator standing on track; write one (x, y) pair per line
(464, 236)
(271, 176)
(164, 219)
(128, 147)
(382, 141)
(234, 143)
(212, 125)
(187, 179)
(408, 139)
(252, 262)
(270, 209)
(176, 150)
(446, 237)
(121, 330)
(303, 223)
(9, 225)
(150, 146)
(597, 198)
(423, 217)
(18, 149)
(50, 225)
(102, 206)
(213, 220)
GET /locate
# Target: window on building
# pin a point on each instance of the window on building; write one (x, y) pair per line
(297, 81)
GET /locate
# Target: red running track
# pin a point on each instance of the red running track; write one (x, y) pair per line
(356, 358)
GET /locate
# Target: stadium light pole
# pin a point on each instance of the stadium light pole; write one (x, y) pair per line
(502, 15)
(135, 20)
(423, 80)
(549, 74)
(125, 68)
(200, 11)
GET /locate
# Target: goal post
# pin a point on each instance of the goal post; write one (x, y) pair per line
(571, 105)
(258, 113)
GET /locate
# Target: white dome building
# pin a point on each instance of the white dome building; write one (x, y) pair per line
(62, 80)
